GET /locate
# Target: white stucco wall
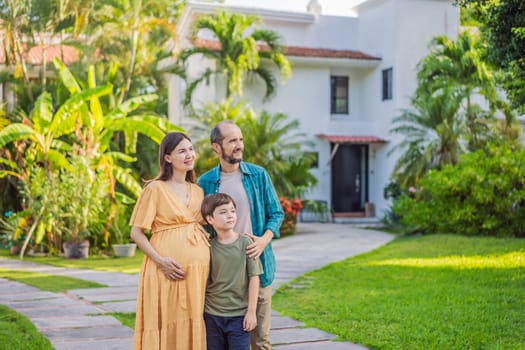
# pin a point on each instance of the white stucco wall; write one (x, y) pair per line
(397, 31)
(324, 32)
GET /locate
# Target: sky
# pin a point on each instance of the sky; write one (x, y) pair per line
(330, 7)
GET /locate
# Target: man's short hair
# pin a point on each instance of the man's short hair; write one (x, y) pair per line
(212, 201)
(216, 135)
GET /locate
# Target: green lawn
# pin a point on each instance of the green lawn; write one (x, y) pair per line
(126, 318)
(432, 292)
(99, 262)
(17, 332)
(50, 283)
(427, 292)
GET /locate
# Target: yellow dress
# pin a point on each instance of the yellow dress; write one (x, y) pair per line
(170, 313)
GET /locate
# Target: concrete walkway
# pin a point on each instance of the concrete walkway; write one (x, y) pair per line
(77, 320)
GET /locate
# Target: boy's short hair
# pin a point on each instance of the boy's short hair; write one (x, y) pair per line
(213, 201)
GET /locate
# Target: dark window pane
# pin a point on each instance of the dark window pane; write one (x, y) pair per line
(339, 95)
(387, 84)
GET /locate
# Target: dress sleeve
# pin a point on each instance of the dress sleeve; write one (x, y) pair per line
(145, 209)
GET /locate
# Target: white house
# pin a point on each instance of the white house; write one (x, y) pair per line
(350, 77)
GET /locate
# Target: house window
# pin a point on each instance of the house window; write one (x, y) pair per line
(387, 84)
(339, 95)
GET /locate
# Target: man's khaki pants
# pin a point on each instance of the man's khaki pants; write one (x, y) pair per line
(260, 339)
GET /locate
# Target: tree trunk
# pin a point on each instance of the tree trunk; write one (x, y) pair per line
(18, 48)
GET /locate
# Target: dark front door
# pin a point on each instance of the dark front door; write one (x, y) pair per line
(349, 178)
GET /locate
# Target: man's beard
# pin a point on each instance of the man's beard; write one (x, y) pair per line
(230, 159)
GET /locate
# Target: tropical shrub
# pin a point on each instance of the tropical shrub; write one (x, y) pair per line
(83, 200)
(42, 148)
(120, 229)
(270, 140)
(67, 205)
(484, 194)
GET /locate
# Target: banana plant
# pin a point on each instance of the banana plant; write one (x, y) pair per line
(43, 140)
(39, 137)
(101, 123)
(84, 125)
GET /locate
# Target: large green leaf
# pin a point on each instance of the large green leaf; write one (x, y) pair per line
(120, 156)
(74, 104)
(4, 173)
(124, 178)
(122, 198)
(40, 232)
(8, 162)
(131, 137)
(138, 124)
(15, 132)
(130, 105)
(96, 108)
(58, 160)
(60, 145)
(66, 76)
(160, 122)
(42, 113)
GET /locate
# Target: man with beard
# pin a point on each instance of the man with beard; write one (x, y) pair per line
(259, 212)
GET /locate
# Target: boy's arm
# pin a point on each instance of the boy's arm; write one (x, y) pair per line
(250, 319)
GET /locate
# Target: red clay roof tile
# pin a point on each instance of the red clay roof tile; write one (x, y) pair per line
(301, 51)
(351, 138)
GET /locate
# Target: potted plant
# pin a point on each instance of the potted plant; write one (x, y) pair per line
(82, 202)
(122, 247)
(124, 250)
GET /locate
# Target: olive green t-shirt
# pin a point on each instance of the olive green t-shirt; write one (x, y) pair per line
(230, 267)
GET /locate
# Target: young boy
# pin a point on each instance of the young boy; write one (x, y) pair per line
(233, 283)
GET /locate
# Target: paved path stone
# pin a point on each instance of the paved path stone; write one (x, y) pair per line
(79, 321)
(76, 320)
(299, 335)
(95, 344)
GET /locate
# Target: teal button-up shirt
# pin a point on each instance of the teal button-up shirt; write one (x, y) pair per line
(265, 209)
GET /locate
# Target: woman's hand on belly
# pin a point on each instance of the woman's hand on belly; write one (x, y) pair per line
(171, 269)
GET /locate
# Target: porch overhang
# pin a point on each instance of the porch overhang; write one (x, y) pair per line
(348, 140)
(352, 139)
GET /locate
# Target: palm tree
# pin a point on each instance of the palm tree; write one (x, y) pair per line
(274, 142)
(141, 33)
(459, 64)
(271, 141)
(432, 135)
(240, 53)
(27, 24)
(13, 22)
(101, 124)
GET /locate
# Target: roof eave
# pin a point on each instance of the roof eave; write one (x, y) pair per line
(267, 14)
(336, 61)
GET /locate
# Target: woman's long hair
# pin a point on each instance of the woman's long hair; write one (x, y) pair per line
(168, 144)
